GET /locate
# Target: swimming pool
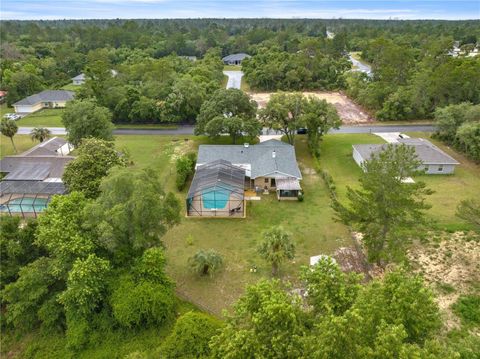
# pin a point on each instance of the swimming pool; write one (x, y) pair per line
(215, 198)
(26, 204)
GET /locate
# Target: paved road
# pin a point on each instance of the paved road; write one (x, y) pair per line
(234, 79)
(188, 130)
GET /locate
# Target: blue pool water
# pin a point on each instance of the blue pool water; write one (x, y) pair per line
(215, 198)
(25, 204)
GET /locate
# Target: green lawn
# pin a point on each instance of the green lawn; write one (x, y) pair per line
(5, 109)
(22, 142)
(43, 118)
(336, 158)
(232, 68)
(236, 239)
(71, 87)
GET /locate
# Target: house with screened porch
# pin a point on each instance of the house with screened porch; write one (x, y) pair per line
(224, 173)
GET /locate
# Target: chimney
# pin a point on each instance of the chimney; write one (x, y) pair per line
(274, 154)
(246, 144)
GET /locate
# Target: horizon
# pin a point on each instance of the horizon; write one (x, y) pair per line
(262, 9)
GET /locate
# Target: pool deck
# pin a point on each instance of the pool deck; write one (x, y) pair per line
(197, 209)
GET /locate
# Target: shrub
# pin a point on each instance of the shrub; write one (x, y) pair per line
(301, 197)
(190, 336)
(206, 262)
(141, 303)
(185, 166)
(467, 308)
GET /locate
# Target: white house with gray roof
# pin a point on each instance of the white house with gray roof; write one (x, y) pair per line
(434, 160)
(44, 99)
(81, 78)
(269, 165)
(235, 59)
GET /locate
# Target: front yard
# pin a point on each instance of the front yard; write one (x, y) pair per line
(42, 118)
(336, 158)
(311, 221)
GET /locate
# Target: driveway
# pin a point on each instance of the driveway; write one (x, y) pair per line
(360, 66)
(234, 79)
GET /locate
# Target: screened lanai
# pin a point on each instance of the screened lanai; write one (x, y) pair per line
(217, 190)
(27, 198)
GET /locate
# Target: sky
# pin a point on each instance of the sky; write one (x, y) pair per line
(129, 9)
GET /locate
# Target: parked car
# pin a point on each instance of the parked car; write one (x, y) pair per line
(302, 131)
(12, 116)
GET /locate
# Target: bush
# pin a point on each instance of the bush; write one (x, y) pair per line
(185, 166)
(190, 336)
(467, 308)
(136, 303)
(330, 184)
(206, 262)
(301, 197)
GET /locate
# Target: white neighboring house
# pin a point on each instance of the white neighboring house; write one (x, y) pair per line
(434, 160)
(44, 99)
(80, 79)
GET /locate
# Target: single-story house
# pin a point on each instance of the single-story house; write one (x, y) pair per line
(434, 160)
(235, 59)
(80, 79)
(225, 172)
(31, 178)
(44, 99)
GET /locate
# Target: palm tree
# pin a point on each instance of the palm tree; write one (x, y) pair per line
(40, 134)
(206, 262)
(276, 247)
(9, 128)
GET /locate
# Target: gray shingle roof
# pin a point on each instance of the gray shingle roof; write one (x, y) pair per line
(47, 96)
(34, 168)
(426, 151)
(236, 57)
(48, 147)
(271, 158)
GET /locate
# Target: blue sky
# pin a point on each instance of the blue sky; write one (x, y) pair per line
(109, 9)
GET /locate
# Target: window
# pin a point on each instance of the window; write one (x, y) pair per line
(440, 168)
(426, 168)
(267, 180)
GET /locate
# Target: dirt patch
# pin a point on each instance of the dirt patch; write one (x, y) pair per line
(349, 112)
(450, 264)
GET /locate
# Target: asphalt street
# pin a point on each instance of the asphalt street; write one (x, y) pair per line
(188, 130)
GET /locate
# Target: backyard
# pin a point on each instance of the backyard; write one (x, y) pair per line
(311, 221)
(336, 158)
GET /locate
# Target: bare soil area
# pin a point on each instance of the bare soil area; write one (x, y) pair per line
(349, 112)
(450, 263)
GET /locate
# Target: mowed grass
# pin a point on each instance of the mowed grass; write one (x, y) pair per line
(22, 142)
(336, 158)
(43, 118)
(310, 223)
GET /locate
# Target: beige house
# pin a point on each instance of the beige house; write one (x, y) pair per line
(44, 99)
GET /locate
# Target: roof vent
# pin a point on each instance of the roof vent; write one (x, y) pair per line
(246, 145)
(274, 154)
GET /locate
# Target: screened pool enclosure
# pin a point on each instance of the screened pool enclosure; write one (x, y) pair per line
(27, 198)
(217, 190)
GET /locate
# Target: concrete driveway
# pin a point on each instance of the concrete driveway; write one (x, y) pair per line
(234, 79)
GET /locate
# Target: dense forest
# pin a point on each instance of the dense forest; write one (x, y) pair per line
(412, 71)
